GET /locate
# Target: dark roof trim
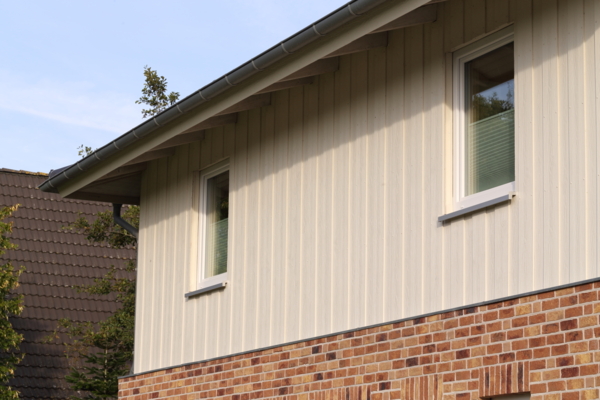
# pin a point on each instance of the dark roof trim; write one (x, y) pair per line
(322, 27)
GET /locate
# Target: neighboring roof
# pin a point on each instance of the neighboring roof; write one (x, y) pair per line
(343, 16)
(55, 261)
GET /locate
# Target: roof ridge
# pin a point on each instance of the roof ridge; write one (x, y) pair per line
(22, 172)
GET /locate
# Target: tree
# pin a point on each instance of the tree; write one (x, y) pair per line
(154, 93)
(102, 352)
(84, 151)
(10, 305)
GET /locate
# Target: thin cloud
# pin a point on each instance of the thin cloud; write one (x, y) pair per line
(74, 103)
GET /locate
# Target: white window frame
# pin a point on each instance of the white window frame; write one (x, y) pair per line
(461, 57)
(205, 175)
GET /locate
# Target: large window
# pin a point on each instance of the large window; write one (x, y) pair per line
(214, 225)
(484, 120)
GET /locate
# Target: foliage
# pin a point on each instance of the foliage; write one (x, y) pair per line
(488, 106)
(154, 93)
(102, 352)
(10, 305)
(104, 230)
(84, 151)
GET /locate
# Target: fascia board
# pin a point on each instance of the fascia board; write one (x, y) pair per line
(363, 25)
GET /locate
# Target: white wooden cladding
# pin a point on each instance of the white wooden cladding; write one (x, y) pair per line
(336, 188)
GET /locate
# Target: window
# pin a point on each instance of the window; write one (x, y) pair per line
(484, 120)
(214, 225)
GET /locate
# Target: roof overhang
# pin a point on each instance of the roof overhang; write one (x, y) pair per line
(113, 172)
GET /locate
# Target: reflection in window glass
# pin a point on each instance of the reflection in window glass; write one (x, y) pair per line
(217, 213)
(490, 120)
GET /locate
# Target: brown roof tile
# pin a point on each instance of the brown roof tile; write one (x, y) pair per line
(56, 261)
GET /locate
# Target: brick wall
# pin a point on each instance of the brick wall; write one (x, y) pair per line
(546, 344)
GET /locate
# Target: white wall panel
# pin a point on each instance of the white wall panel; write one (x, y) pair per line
(336, 188)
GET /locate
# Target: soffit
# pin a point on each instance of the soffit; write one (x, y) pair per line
(119, 185)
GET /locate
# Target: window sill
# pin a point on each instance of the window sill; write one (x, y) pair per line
(476, 207)
(207, 289)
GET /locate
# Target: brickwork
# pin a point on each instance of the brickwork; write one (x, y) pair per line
(546, 344)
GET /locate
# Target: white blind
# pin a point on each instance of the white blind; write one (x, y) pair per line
(490, 152)
(216, 247)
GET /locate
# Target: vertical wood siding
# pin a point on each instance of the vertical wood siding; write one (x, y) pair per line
(336, 188)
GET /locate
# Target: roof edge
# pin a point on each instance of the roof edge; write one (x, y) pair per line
(22, 172)
(339, 17)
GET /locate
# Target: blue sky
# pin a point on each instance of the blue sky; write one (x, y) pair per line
(70, 71)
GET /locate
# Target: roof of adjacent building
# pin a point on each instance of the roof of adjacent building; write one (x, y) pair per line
(55, 261)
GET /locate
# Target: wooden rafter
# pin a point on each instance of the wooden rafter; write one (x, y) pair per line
(152, 155)
(420, 16)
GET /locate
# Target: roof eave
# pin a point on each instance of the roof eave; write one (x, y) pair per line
(333, 31)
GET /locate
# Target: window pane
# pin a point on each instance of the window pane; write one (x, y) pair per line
(490, 120)
(217, 210)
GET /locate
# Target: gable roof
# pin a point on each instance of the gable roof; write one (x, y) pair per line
(112, 173)
(55, 261)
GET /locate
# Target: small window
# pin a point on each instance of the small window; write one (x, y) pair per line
(214, 225)
(484, 120)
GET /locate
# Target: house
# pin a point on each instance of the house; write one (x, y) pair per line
(399, 201)
(55, 261)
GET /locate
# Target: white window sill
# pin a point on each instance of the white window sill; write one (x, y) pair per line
(476, 207)
(209, 285)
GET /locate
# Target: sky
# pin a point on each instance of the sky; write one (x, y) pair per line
(70, 71)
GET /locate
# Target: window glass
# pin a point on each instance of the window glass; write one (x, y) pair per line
(217, 225)
(489, 120)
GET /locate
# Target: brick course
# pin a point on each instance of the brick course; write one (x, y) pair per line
(546, 344)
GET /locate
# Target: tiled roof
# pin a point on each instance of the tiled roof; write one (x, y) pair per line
(55, 261)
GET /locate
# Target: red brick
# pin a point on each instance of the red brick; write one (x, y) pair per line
(574, 312)
(450, 324)
(568, 324)
(443, 347)
(519, 344)
(463, 332)
(524, 355)
(490, 360)
(507, 357)
(564, 361)
(591, 369)
(583, 288)
(537, 364)
(550, 328)
(478, 330)
(557, 386)
(514, 334)
(555, 339)
(490, 316)
(573, 336)
(494, 348)
(568, 301)
(550, 304)
(587, 297)
(537, 342)
(560, 350)
(570, 396)
(569, 372)
(537, 319)
(522, 321)
(541, 352)
(493, 327)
